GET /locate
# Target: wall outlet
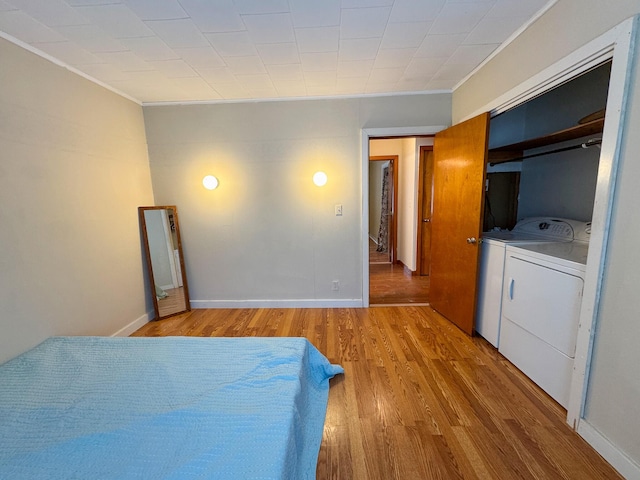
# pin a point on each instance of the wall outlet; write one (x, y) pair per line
(335, 285)
(338, 210)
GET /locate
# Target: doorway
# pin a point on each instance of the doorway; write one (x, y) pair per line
(383, 201)
(393, 226)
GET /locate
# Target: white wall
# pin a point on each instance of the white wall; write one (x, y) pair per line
(613, 402)
(614, 388)
(73, 170)
(267, 234)
(559, 185)
(407, 192)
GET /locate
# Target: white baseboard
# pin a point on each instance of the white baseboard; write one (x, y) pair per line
(618, 460)
(329, 303)
(133, 326)
(374, 240)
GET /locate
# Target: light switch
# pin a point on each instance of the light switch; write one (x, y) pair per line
(338, 210)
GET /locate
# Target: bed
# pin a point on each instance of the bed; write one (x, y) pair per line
(170, 408)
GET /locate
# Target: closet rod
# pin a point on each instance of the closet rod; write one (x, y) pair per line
(587, 144)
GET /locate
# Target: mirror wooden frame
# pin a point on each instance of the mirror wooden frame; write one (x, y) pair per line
(173, 226)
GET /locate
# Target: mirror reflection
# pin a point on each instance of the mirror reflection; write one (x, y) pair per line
(168, 281)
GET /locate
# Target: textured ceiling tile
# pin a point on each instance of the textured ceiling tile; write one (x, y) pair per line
(69, 53)
(178, 33)
(290, 89)
(157, 9)
(327, 47)
(49, 12)
(27, 29)
(149, 48)
(385, 75)
(231, 91)
(117, 20)
(245, 65)
(471, 55)
(394, 58)
(83, 3)
(257, 81)
(493, 30)
(262, 6)
(440, 45)
(516, 8)
(459, 18)
(366, 3)
(285, 73)
(278, 53)
(358, 68)
(404, 35)
(221, 17)
(318, 39)
(174, 68)
(359, 49)
(92, 38)
(232, 44)
(104, 71)
(315, 62)
(203, 57)
(307, 13)
(217, 76)
(272, 28)
(422, 67)
(126, 61)
(352, 85)
(416, 10)
(320, 78)
(364, 22)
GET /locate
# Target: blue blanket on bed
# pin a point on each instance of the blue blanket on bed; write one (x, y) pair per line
(170, 408)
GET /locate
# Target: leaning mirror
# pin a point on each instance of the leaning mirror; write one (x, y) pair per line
(163, 248)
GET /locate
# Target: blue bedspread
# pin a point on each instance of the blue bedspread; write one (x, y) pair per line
(171, 408)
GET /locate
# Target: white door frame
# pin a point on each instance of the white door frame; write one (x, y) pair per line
(616, 44)
(366, 134)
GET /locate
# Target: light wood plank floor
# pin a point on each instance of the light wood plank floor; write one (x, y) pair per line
(418, 400)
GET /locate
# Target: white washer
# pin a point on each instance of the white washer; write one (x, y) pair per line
(492, 256)
(542, 295)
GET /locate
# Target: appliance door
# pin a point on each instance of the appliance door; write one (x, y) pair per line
(543, 300)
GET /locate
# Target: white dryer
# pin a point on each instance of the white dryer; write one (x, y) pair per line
(542, 296)
(492, 257)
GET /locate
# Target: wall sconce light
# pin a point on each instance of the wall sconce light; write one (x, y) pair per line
(210, 182)
(320, 178)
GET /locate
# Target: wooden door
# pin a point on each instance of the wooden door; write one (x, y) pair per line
(425, 194)
(459, 170)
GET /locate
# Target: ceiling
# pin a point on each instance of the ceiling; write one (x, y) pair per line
(220, 50)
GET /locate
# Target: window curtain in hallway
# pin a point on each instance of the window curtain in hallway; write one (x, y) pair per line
(383, 232)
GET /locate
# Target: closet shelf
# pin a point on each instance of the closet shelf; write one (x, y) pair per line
(514, 151)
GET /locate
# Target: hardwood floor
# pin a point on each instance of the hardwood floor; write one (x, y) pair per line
(391, 285)
(174, 302)
(375, 256)
(419, 399)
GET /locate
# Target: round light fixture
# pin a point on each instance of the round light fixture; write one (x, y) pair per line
(320, 178)
(210, 182)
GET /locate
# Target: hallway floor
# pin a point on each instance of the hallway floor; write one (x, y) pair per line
(391, 285)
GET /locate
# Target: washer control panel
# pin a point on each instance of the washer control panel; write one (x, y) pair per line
(556, 229)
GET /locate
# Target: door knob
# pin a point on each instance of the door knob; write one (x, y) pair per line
(471, 240)
(426, 220)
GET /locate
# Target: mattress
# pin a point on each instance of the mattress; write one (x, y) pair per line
(169, 407)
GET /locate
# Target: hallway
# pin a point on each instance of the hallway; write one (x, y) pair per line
(391, 285)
